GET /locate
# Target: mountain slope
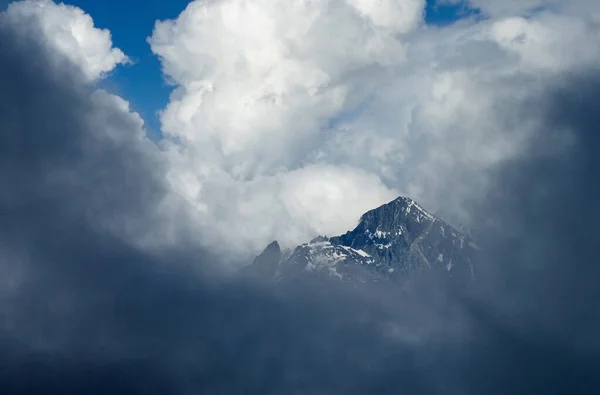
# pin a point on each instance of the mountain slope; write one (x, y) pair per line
(388, 244)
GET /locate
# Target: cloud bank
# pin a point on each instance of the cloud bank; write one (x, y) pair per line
(273, 101)
(88, 307)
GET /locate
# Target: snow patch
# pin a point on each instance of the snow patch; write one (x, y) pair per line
(421, 212)
(381, 234)
(359, 252)
(362, 253)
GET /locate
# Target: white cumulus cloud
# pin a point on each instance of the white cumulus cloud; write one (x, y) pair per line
(258, 85)
(71, 31)
(290, 119)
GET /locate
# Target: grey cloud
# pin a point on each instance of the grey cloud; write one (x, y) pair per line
(547, 203)
(85, 311)
(539, 295)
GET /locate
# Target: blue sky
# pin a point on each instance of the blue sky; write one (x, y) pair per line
(132, 21)
(444, 14)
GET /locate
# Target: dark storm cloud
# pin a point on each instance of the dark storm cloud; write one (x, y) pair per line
(538, 302)
(84, 311)
(547, 207)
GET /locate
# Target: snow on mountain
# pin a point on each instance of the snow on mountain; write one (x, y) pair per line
(389, 243)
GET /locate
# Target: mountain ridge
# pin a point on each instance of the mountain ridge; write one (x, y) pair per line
(389, 243)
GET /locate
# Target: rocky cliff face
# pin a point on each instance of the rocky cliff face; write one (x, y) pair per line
(389, 243)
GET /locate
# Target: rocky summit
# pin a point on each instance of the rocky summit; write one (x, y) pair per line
(390, 243)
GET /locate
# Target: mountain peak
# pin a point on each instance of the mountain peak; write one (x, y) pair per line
(398, 208)
(273, 247)
(400, 216)
(392, 240)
